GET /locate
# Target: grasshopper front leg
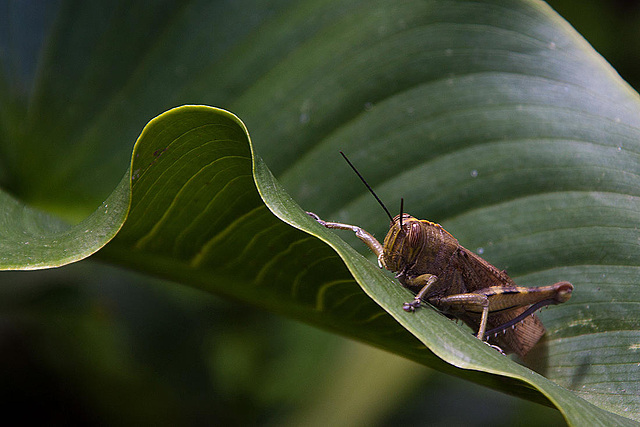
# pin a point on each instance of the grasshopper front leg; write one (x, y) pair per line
(425, 281)
(361, 234)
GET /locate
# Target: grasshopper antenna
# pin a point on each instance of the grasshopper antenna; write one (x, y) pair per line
(369, 187)
(401, 210)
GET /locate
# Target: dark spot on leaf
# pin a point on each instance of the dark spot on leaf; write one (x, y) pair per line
(159, 152)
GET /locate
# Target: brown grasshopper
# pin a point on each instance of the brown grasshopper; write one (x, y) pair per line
(431, 263)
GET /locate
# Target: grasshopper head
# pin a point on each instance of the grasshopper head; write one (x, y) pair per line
(403, 243)
(416, 245)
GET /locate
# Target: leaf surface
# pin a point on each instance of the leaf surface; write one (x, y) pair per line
(493, 118)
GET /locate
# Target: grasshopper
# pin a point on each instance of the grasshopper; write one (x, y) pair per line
(431, 263)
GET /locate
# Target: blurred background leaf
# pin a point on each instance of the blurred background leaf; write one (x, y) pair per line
(81, 80)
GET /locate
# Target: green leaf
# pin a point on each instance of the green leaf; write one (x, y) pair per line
(493, 118)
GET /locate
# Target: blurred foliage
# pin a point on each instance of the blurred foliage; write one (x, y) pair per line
(92, 344)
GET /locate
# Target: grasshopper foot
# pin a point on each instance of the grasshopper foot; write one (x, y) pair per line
(317, 218)
(495, 347)
(410, 307)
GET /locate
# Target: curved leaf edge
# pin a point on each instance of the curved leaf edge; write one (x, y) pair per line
(44, 242)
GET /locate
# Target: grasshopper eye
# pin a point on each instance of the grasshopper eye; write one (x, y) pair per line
(415, 234)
